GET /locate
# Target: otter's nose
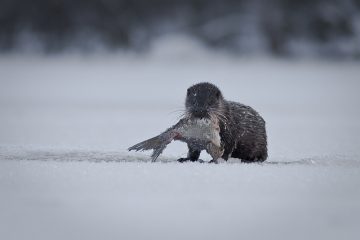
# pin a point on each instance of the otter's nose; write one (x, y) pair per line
(200, 113)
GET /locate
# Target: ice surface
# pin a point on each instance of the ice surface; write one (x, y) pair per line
(66, 122)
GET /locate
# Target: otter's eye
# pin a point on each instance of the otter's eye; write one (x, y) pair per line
(218, 94)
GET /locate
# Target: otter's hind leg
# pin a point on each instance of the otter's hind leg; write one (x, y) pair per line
(193, 155)
(249, 156)
(228, 149)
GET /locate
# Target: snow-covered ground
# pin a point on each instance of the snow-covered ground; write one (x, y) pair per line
(66, 121)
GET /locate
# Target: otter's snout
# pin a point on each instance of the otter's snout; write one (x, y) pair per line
(199, 113)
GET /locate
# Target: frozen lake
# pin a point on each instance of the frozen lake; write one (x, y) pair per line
(66, 122)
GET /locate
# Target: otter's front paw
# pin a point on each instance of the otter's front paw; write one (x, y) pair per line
(189, 160)
(214, 161)
(181, 160)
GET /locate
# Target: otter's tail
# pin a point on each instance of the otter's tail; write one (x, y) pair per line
(156, 143)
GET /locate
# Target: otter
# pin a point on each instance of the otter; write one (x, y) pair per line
(242, 129)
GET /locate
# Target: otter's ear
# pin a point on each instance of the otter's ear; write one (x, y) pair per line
(188, 92)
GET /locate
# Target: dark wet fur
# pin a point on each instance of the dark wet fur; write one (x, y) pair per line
(242, 129)
(243, 134)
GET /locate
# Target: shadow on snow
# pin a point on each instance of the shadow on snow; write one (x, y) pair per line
(103, 156)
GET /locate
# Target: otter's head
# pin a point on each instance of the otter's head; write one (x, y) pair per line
(203, 100)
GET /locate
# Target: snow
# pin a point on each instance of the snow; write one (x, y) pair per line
(66, 122)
